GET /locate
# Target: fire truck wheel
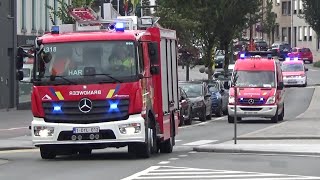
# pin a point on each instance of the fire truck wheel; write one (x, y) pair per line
(47, 153)
(167, 145)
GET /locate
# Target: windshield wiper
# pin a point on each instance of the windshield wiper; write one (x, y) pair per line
(53, 77)
(108, 75)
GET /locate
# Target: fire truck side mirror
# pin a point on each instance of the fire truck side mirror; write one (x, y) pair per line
(153, 52)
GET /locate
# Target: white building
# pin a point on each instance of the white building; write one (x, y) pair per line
(33, 18)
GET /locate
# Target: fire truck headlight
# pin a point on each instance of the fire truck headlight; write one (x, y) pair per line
(43, 131)
(271, 100)
(128, 129)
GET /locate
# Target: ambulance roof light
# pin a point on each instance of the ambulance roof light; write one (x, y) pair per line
(119, 27)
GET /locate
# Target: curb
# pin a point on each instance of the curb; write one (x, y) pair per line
(277, 137)
(239, 150)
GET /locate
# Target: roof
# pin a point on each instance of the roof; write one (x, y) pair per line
(292, 62)
(89, 36)
(259, 64)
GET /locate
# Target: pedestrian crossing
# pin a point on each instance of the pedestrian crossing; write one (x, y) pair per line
(171, 172)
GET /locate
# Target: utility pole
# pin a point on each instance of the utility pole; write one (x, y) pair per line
(292, 32)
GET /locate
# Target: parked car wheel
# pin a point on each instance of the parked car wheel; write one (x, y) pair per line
(219, 112)
(203, 114)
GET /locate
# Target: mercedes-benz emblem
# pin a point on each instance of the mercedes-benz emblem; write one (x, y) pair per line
(85, 105)
(251, 101)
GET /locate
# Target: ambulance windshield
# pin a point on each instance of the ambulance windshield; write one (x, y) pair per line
(74, 59)
(259, 79)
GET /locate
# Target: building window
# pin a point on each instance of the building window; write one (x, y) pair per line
(300, 33)
(310, 33)
(284, 8)
(34, 15)
(46, 16)
(305, 33)
(284, 34)
(23, 15)
(289, 8)
(295, 6)
(300, 6)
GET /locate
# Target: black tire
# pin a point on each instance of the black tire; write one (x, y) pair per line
(144, 150)
(281, 116)
(305, 84)
(275, 118)
(209, 116)
(167, 145)
(189, 120)
(47, 153)
(203, 115)
(230, 119)
(85, 152)
(219, 112)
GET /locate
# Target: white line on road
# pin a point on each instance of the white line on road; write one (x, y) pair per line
(134, 176)
(173, 159)
(11, 129)
(200, 142)
(177, 140)
(183, 155)
(193, 152)
(202, 123)
(164, 162)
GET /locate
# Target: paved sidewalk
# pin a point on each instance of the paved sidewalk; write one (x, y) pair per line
(299, 136)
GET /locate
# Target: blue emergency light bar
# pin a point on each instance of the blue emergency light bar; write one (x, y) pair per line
(290, 59)
(55, 30)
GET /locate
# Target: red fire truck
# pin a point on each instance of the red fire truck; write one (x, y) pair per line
(105, 84)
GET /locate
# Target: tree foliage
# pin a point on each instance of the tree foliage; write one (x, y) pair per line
(311, 12)
(63, 9)
(208, 23)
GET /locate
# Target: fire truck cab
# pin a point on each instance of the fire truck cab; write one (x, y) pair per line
(260, 89)
(104, 84)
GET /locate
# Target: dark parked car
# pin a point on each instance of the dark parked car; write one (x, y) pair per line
(282, 49)
(198, 93)
(261, 45)
(185, 108)
(219, 58)
(219, 97)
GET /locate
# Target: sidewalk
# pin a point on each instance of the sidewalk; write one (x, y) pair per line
(300, 136)
(23, 142)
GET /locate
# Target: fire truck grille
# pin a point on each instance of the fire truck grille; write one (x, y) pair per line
(103, 134)
(101, 111)
(250, 101)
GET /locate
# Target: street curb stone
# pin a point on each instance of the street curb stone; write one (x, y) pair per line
(241, 149)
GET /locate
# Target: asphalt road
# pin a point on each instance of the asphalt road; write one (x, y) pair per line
(117, 164)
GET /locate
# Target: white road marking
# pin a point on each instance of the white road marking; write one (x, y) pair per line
(200, 142)
(170, 172)
(173, 159)
(183, 155)
(11, 129)
(164, 162)
(193, 152)
(203, 123)
(177, 140)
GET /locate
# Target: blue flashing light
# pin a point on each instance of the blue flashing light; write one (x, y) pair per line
(119, 27)
(55, 29)
(242, 56)
(113, 106)
(296, 59)
(57, 108)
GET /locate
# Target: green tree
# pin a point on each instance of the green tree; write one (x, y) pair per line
(311, 13)
(63, 9)
(233, 17)
(269, 22)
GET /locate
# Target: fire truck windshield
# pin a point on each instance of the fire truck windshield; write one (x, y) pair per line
(77, 60)
(259, 79)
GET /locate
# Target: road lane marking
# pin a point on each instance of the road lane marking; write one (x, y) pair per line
(183, 155)
(170, 172)
(200, 142)
(11, 129)
(164, 162)
(193, 152)
(19, 151)
(173, 159)
(203, 123)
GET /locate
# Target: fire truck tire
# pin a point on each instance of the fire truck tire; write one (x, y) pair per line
(47, 153)
(84, 152)
(167, 145)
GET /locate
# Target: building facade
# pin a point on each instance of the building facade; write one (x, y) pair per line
(7, 54)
